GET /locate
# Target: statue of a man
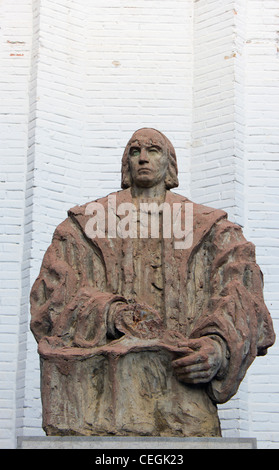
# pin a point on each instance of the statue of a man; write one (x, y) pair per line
(143, 330)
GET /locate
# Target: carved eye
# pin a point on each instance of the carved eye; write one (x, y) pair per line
(135, 152)
(153, 150)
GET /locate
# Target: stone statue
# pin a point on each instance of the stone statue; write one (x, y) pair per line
(143, 330)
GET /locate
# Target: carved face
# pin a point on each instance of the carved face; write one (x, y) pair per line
(148, 160)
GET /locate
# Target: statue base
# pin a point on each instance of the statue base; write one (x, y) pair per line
(127, 443)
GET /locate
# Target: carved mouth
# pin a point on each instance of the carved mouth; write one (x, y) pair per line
(144, 170)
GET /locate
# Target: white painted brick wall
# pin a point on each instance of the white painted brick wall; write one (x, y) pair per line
(204, 72)
(15, 36)
(262, 199)
(213, 165)
(138, 73)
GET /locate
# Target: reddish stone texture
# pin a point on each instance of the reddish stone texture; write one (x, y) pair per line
(115, 352)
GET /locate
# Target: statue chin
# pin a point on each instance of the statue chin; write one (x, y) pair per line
(146, 181)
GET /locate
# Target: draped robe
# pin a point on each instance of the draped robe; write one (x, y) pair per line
(95, 383)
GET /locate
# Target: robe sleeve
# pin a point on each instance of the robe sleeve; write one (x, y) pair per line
(69, 299)
(236, 312)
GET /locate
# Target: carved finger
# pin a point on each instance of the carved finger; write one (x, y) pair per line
(195, 377)
(192, 369)
(192, 359)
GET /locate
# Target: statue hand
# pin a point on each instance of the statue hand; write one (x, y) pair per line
(138, 320)
(201, 362)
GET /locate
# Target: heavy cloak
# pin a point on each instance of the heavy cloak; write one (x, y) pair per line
(96, 384)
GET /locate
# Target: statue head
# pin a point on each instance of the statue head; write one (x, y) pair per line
(149, 147)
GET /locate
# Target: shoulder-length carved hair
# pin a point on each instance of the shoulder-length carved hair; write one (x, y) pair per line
(171, 180)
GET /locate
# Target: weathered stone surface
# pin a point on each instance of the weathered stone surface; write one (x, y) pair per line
(137, 336)
(133, 394)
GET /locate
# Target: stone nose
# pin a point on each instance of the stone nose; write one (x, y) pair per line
(143, 156)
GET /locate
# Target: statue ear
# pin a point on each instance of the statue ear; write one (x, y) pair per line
(126, 181)
(168, 181)
(171, 179)
(126, 175)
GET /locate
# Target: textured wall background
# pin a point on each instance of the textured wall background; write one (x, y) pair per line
(16, 38)
(77, 78)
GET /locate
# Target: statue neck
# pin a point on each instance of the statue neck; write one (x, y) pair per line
(155, 192)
